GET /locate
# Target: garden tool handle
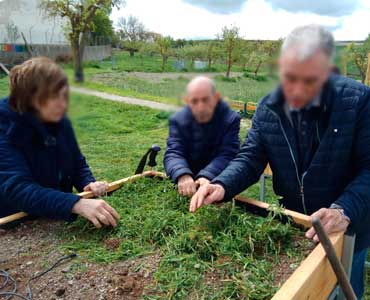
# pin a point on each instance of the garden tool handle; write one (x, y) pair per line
(333, 259)
(153, 155)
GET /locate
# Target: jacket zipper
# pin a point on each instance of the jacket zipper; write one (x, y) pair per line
(300, 180)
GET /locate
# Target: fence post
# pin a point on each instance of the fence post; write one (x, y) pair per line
(367, 80)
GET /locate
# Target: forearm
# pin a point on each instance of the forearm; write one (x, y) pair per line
(39, 201)
(355, 200)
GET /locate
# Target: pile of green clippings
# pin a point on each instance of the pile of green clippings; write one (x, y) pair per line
(220, 252)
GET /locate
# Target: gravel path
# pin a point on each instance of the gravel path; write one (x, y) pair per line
(128, 100)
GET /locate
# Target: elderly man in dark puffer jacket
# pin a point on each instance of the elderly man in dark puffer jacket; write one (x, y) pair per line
(314, 130)
(203, 138)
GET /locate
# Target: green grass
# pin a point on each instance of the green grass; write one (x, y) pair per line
(240, 248)
(4, 87)
(122, 61)
(102, 77)
(172, 90)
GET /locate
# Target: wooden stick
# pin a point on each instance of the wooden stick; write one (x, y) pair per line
(297, 217)
(334, 261)
(4, 69)
(115, 185)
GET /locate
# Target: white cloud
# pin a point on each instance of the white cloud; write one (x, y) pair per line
(257, 20)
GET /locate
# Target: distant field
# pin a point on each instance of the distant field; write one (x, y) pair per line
(140, 78)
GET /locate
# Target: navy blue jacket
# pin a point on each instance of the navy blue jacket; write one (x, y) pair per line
(340, 169)
(39, 166)
(201, 150)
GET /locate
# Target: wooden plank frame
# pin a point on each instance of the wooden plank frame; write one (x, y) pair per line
(314, 279)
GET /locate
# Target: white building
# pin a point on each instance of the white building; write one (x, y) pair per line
(29, 19)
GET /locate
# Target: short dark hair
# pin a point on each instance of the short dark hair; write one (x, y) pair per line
(37, 79)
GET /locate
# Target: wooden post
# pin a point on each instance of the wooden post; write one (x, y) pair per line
(4, 69)
(345, 64)
(367, 80)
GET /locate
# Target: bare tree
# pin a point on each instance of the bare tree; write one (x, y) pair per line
(132, 33)
(12, 33)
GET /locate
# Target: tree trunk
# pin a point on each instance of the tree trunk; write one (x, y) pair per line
(229, 63)
(257, 68)
(228, 69)
(78, 47)
(209, 63)
(164, 61)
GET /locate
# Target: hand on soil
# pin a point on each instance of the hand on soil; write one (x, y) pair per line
(186, 186)
(97, 211)
(207, 194)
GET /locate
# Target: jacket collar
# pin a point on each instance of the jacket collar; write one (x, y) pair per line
(276, 99)
(23, 129)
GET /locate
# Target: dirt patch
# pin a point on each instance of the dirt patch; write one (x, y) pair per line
(33, 247)
(158, 77)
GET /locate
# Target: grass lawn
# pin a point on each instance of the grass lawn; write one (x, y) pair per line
(121, 81)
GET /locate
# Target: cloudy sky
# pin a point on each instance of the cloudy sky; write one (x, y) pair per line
(257, 19)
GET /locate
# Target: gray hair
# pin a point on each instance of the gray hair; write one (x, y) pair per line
(308, 40)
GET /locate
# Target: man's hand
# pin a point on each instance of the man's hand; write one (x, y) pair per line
(332, 220)
(97, 212)
(98, 188)
(202, 181)
(186, 186)
(207, 194)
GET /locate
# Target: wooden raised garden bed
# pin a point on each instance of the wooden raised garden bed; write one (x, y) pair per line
(312, 279)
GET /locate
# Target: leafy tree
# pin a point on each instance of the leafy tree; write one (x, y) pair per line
(132, 33)
(80, 16)
(245, 51)
(164, 49)
(271, 50)
(359, 56)
(211, 52)
(147, 49)
(193, 52)
(230, 45)
(102, 30)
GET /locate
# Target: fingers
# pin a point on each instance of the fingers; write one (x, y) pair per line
(187, 189)
(198, 198)
(95, 222)
(98, 188)
(331, 220)
(310, 234)
(87, 188)
(112, 211)
(107, 215)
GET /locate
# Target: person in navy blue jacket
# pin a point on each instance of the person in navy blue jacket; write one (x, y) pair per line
(314, 130)
(203, 137)
(40, 160)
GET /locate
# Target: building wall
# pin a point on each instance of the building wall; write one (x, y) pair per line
(55, 52)
(31, 21)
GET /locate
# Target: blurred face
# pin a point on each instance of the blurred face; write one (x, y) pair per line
(53, 110)
(202, 101)
(301, 80)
